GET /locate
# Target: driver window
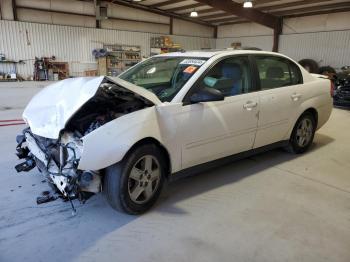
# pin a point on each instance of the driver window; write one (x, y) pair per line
(231, 76)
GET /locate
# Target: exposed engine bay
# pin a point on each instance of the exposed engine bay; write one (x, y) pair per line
(58, 159)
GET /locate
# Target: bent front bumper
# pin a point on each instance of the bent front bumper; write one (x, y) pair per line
(56, 159)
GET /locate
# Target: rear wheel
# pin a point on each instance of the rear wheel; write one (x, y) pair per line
(134, 184)
(303, 134)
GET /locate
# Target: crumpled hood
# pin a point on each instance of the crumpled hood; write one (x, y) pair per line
(49, 111)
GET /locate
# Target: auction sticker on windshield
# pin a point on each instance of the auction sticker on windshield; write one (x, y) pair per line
(197, 62)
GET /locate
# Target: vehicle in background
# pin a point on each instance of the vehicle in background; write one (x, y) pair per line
(341, 93)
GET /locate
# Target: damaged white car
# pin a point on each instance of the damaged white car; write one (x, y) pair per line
(172, 114)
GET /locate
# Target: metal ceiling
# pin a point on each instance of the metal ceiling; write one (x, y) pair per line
(209, 13)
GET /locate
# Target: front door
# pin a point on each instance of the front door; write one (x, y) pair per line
(212, 130)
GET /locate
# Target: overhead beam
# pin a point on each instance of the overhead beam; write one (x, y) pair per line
(170, 2)
(312, 9)
(322, 12)
(237, 9)
(213, 16)
(229, 19)
(208, 10)
(236, 22)
(159, 12)
(184, 7)
(293, 4)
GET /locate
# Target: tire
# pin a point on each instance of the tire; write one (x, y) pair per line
(295, 146)
(310, 65)
(130, 186)
(327, 71)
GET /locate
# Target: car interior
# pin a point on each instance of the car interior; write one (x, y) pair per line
(231, 77)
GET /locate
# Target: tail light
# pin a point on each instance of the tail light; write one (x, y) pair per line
(332, 89)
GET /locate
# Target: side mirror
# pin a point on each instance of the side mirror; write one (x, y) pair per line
(206, 95)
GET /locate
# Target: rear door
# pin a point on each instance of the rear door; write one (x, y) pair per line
(280, 96)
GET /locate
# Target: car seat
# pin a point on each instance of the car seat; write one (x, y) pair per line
(233, 72)
(274, 77)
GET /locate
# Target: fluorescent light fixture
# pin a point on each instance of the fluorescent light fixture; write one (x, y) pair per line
(137, 0)
(248, 4)
(194, 14)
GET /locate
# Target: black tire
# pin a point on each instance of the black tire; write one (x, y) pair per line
(328, 71)
(294, 147)
(116, 180)
(310, 65)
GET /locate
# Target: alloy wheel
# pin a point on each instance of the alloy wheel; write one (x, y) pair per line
(304, 132)
(144, 179)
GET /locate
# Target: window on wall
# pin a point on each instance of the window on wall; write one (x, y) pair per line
(277, 72)
(231, 76)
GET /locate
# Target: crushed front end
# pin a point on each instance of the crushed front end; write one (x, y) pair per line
(60, 117)
(57, 160)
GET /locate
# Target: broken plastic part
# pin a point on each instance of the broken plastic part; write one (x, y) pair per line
(26, 166)
(45, 199)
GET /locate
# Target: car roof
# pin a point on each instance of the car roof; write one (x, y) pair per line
(213, 52)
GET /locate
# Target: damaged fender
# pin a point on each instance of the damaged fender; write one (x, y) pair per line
(109, 143)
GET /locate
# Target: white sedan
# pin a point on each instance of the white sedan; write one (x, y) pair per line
(173, 114)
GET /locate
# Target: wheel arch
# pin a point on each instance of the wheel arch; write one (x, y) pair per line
(157, 143)
(311, 110)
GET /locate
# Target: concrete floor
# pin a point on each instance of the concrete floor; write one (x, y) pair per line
(271, 207)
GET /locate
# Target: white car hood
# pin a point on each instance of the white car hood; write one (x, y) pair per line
(49, 111)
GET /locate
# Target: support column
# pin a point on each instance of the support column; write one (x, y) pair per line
(276, 35)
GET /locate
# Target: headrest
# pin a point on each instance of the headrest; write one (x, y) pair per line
(274, 72)
(232, 71)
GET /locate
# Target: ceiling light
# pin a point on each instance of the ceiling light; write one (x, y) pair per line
(137, 0)
(248, 4)
(194, 14)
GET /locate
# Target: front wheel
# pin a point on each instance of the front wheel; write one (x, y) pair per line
(303, 134)
(134, 184)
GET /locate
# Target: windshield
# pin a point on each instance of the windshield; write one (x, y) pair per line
(164, 76)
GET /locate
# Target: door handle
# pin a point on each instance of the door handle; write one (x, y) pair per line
(250, 105)
(295, 97)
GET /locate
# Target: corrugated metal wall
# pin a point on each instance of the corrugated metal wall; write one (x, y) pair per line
(262, 42)
(327, 48)
(22, 40)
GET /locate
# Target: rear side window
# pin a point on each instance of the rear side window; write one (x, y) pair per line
(275, 72)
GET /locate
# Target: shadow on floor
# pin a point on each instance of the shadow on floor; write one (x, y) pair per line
(23, 224)
(228, 174)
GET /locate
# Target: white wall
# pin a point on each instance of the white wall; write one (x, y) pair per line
(324, 38)
(25, 41)
(6, 9)
(181, 27)
(82, 14)
(29, 15)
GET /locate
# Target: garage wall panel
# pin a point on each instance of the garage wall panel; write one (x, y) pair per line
(181, 27)
(134, 26)
(25, 41)
(29, 15)
(327, 48)
(244, 29)
(6, 9)
(262, 42)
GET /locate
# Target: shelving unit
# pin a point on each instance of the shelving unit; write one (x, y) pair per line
(118, 59)
(162, 45)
